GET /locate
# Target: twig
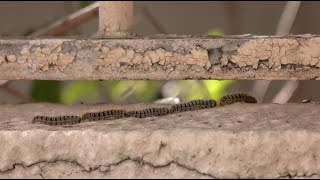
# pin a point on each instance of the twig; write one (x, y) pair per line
(69, 8)
(260, 88)
(155, 23)
(128, 92)
(69, 22)
(286, 92)
(233, 14)
(2, 82)
(284, 26)
(202, 85)
(288, 17)
(15, 93)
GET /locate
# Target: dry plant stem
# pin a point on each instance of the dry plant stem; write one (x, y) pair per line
(14, 92)
(260, 88)
(2, 82)
(70, 22)
(127, 93)
(4, 85)
(155, 23)
(286, 92)
(115, 18)
(284, 26)
(234, 18)
(288, 17)
(69, 8)
(203, 86)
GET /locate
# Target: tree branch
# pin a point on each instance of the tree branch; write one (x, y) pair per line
(155, 23)
(69, 22)
(5, 86)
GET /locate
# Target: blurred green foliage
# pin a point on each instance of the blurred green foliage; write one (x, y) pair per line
(215, 32)
(79, 89)
(203, 89)
(46, 91)
(123, 91)
(217, 88)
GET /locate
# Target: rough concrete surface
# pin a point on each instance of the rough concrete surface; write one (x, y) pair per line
(235, 141)
(162, 58)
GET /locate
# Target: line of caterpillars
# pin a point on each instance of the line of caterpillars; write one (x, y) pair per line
(117, 114)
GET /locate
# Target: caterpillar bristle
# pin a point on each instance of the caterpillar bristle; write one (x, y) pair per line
(233, 98)
(54, 121)
(148, 112)
(104, 115)
(193, 105)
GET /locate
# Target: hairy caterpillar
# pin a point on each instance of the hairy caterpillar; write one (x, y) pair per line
(148, 112)
(115, 114)
(104, 115)
(230, 99)
(193, 105)
(61, 120)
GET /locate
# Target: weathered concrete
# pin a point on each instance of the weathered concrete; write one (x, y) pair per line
(115, 18)
(236, 141)
(162, 58)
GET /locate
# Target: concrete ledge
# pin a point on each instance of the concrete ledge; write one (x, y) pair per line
(162, 58)
(236, 141)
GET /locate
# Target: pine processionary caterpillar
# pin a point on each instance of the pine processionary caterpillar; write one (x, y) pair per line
(104, 115)
(148, 112)
(230, 99)
(116, 114)
(61, 120)
(193, 105)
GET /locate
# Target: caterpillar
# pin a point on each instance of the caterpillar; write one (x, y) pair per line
(230, 99)
(148, 112)
(193, 105)
(115, 114)
(61, 120)
(104, 115)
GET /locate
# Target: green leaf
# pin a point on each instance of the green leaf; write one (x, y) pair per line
(141, 90)
(215, 32)
(216, 88)
(81, 89)
(46, 91)
(147, 90)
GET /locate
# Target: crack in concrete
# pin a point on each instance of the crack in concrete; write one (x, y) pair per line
(136, 160)
(142, 162)
(295, 176)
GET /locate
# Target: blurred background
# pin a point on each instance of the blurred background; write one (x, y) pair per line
(191, 17)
